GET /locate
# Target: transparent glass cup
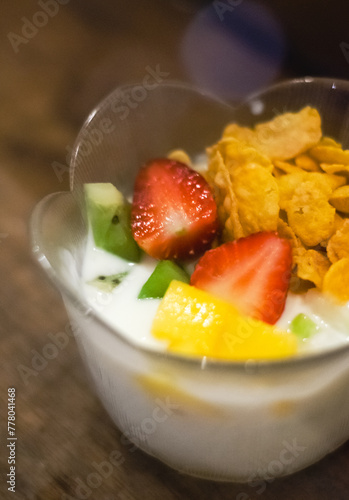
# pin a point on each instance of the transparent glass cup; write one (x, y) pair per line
(219, 420)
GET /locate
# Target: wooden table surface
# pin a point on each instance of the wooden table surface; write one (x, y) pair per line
(51, 76)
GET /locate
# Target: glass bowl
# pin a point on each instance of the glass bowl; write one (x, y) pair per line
(218, 420)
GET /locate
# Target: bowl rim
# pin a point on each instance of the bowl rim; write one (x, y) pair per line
(173, 84)
(301, 80)
(204, 363)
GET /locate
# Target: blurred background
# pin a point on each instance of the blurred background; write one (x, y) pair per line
(58, 59)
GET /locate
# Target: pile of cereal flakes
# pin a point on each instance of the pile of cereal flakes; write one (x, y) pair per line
(285, 176)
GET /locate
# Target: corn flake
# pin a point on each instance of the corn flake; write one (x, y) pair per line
(336, 280)
(258, 206)
(310, 215)
(306, 162)
(312, 265)
(242, 134)
(285, 231)
(330, 154)
(287, 185)
(236, 154)
(289, 134)
(180, 155)
(340, 199)
(334, 168)
(284, 137)
(329, 141)
(338, 244)
(287, 167)
(283, 175)
(219, 177)
(326, 182)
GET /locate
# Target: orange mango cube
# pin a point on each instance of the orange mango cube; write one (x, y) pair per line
(196, 323)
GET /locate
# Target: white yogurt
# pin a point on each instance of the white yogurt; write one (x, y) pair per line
(228, 425)
(332, 320)
(121, 308)
(133, 317)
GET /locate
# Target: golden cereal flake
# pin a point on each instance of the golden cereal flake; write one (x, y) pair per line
(242, 134)
(307, 163)
(310, 215)
(329, 141)
(326, 182)
(340, 199)
(330, 154)
(289, 182)
(312, 265)
(287, 185)
(219, 178)
(336, 280)
(180, 155)
(257, 198)
(236, 153)
(338, 244)
(335, 168)
(287, 167)
(283, 175)
(288, 134)
(284, 137)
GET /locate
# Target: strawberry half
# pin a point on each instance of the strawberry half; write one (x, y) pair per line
(253, 273)
(174, 215)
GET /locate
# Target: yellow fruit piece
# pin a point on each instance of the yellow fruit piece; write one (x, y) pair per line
(196, 323)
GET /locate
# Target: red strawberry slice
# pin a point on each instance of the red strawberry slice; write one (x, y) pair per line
(174, 215)
(253, 273)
